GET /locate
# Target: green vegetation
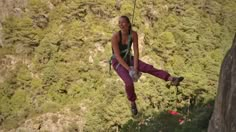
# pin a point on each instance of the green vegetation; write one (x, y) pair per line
(63, 48)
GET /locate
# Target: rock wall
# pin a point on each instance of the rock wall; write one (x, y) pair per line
(224, 115)
(9, 8)
(65, 121)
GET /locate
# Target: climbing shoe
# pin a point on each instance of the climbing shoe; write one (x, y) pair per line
(134, 109)
(176, 81)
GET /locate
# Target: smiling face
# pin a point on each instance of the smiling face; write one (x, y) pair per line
(124, 24)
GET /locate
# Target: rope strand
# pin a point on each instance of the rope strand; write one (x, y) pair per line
(133, 11)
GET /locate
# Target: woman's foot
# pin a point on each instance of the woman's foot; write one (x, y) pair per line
(134, 108)
(174, 81)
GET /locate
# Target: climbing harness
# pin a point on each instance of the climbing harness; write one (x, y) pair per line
(126, 51)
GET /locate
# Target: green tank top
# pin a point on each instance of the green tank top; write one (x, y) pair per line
(122, 47)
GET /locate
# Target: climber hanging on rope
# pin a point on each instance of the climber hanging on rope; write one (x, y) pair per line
(129, 67)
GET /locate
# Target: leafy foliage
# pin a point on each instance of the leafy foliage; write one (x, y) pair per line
(65, 45)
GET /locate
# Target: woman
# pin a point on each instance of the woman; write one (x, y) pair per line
(124, 66)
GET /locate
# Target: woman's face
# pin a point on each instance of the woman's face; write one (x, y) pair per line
(124, 24)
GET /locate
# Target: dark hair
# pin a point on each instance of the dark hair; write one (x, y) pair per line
(127, 19)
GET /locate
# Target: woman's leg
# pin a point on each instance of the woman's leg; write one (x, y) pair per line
(147, 68)
(124, 75)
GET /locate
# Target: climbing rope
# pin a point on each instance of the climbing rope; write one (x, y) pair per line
(133, 11)
(129, 41)
(129, 37)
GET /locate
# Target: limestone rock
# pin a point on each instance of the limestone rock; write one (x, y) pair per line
(65, 121)
(10, 8)
(224, 115)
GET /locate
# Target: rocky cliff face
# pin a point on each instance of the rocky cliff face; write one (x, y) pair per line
(224, 115)
(10, 8)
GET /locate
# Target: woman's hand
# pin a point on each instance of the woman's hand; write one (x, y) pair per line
(135, 75)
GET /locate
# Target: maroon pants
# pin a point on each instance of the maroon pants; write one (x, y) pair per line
(142, 67)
